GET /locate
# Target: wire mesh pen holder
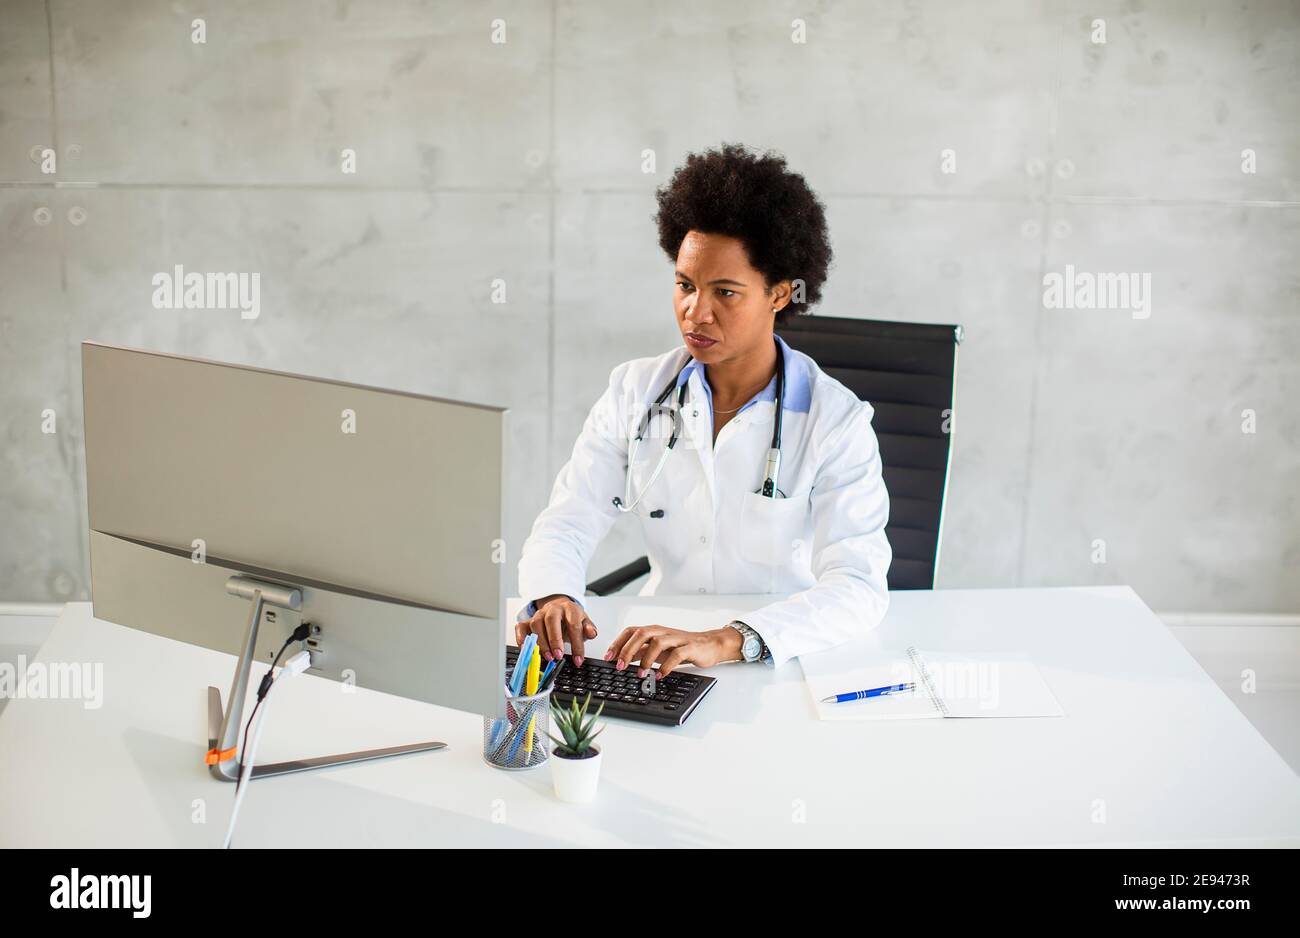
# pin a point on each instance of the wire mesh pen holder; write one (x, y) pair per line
(519, 740)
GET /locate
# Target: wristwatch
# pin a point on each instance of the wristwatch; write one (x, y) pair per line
(752, 646)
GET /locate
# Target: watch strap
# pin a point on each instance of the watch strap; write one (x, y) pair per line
(746, 632)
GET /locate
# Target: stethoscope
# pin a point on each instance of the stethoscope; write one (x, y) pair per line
(771, 470)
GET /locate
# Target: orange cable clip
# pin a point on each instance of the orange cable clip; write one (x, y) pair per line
(216, 755)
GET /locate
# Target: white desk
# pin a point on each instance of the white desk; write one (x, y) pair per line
(1146, 732)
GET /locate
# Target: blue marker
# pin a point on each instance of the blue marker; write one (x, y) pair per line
(498, 724)
(521, 664)
(874, 692)
(521, 732)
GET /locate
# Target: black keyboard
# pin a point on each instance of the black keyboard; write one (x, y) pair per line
(675, 697)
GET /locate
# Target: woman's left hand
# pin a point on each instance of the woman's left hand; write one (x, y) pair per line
(658, 644)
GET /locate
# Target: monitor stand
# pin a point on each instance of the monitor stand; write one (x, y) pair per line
(223, 729)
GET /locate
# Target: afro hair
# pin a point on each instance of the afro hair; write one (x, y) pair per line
(755, 199)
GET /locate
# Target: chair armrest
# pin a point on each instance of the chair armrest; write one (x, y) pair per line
(613, 582)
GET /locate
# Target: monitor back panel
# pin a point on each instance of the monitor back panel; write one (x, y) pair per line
(391, 494)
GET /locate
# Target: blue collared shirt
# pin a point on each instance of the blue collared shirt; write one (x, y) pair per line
(798, 383)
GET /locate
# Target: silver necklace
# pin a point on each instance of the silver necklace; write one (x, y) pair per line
(716, 411)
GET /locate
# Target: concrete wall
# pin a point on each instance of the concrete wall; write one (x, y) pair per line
(523, 161)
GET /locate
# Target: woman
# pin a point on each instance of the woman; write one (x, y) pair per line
(749, 243)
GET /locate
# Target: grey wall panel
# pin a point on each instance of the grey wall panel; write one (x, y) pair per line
(521, 163)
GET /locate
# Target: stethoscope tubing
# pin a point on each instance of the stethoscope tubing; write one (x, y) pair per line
(772, 467)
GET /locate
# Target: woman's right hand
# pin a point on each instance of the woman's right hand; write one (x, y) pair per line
(558, 619)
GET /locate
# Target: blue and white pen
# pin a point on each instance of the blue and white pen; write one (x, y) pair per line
(874, 692)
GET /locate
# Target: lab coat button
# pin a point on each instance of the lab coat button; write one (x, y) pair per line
(703, 590)
(704, 539)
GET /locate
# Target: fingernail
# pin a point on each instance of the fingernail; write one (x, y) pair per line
(621, 665)
(577, 659)
(546, 655)
(640, 672)
(609, 654)
(559, 653)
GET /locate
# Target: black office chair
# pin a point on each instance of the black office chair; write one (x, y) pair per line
(907, 372)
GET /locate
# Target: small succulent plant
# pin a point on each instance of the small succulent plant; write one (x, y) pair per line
(576, 727)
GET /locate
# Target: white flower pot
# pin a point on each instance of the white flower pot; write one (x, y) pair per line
(575, 779)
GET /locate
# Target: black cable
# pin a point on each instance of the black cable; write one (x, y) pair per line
(299, 634)
(276, 663)
(239, 777)
(265, 688)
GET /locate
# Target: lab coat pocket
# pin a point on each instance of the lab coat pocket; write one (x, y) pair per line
(661, 514)
(773, 530)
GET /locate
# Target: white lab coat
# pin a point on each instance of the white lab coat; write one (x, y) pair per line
(824, 543)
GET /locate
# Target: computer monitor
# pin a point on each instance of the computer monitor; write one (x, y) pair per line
(228, 505)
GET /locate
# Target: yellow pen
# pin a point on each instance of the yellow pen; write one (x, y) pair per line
(530, 688)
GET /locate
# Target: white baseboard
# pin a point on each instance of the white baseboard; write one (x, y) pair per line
(1236, 619)
(31, 609)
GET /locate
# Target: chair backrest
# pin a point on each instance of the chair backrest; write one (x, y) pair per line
(906, 371)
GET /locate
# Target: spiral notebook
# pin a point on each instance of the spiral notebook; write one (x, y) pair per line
(949, 685)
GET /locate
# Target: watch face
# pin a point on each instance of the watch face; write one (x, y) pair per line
(752, 648)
